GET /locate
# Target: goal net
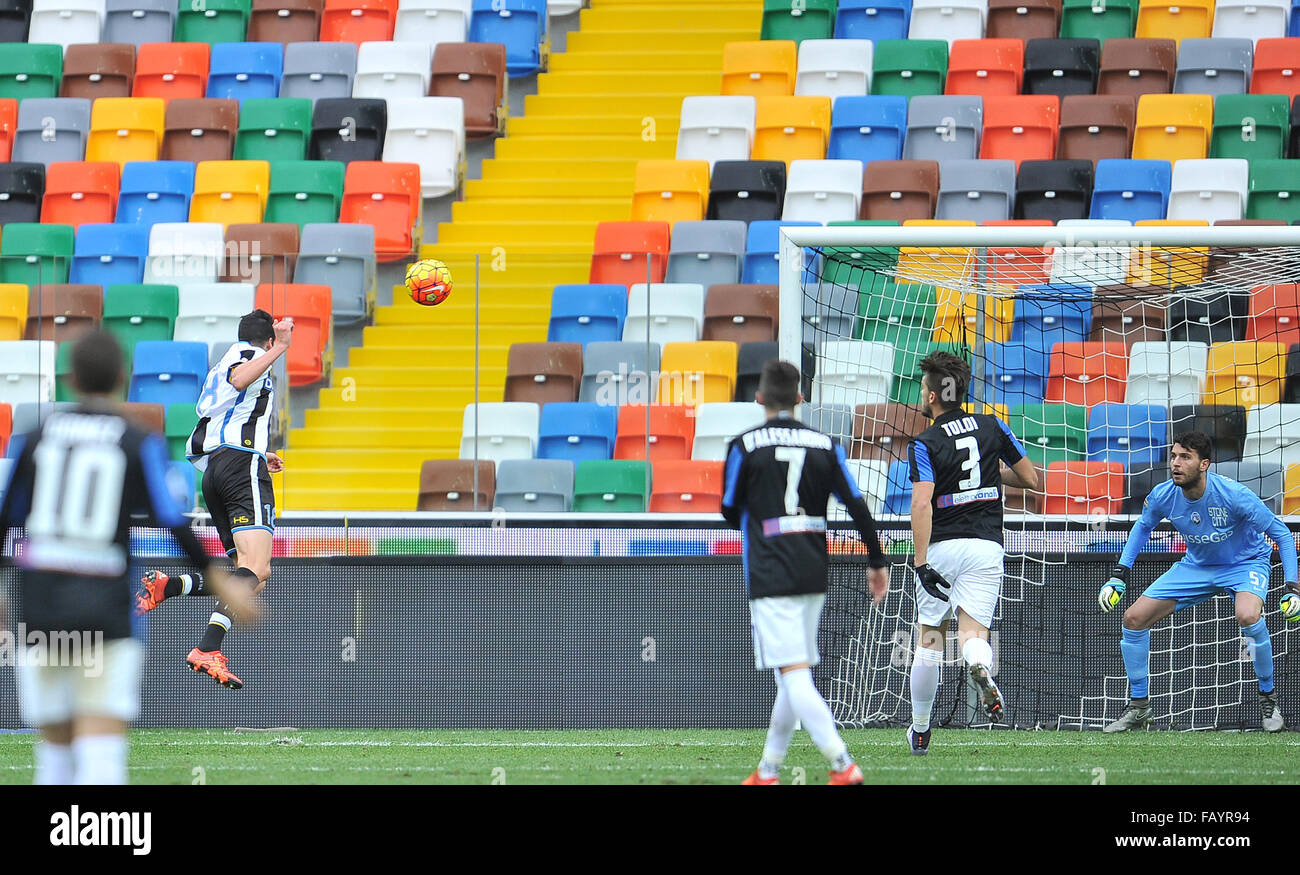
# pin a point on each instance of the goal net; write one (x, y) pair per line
(1097, 344)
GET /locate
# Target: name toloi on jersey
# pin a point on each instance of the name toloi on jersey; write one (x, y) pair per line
(229, 417)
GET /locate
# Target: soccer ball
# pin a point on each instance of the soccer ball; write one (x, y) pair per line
(428, 281)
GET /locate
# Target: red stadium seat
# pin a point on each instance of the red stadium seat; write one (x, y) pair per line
(310, 306)
(671, 435)
(8, 125)
(1083, 488)
(985, 67)
(628, 253)
(358, 21)
(1022, 128)
(1275, 313)
(686, 486)
(1088, 373)
(387, 196)
(80, 193)
(1277, 67)
(6, 425)
(170, 70)
(1019, 265)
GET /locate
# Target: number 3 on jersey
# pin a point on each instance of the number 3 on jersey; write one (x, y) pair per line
(794, 459)
(972, 463)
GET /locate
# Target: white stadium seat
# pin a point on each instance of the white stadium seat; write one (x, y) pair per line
(676, 313)
(834, 68)
(716, 129)
(185, 252)
(717, 423)
(505, 430)
(430, 132)
(823, 191)
(391, 69)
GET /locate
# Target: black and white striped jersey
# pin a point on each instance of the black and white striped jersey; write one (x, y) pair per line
(229, 417)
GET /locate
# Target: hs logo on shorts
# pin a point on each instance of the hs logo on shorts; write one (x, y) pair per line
(240, 520)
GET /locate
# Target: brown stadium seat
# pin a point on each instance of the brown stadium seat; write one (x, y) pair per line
(261, 253)
(1095, 126)
(199, 129)
(741, 313)
(448, 484)
(94, 70)
(881, 431)
(476, 73)
(1137, 66)
(63, 311)
(1227, 258)
(543, 372)
(151, 417)
(1023, 19)
(899, 190)
(284, 21)
(1128, 314)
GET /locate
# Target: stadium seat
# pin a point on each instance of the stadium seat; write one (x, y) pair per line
(900, 190)
(749, 366)
(1161, 18)
(1251, 19)
(393, 69)
(456, 485)
(429, 132)
(1213, 66)
(974, 190)
(1166, 374)
(433, 22)
(51, 129)
(348, 129)
(274, 129)
(853, 372)
(209, 313)
(872, 479)
(898, 490)
(136, 22)
(543, 373)
(35, 254)
(883, 431)
(310, 357)
(230, 192)
(109, 254)
(94, 71)
(135, 313)
(1062, 67)
(762, 250)
(706, 252)
(667, 431)
(586, 313)
(747, 191)
(1274, 71)
(699, 372)
(717, 423)
(835, 420)
(791, 128)
(15, 16)
(1050, 432)
(318, 70)
(284, 21)
(686, 486)
(14, 300)
(617, 486)
(305, 192)
(169, 70)
(1273, 434)
(810, 20)
(1053, 190)
(577, 431)
(1211, 189)
(1275, 313)
(766, 68)
(1083, 488)
(1096, 127)
(476, 73)
(615, 373)
(358, 21)
(740, 313)
(125, 129)
(1209, 315)
(30, 70)
(945, 19)
(675, 313)
(867, 128)
(80, 192)
(909, 67)
(1264, 478)
(167, 372)
(906, 388)
(64, 22)
(388, 197)
(834, 68)
(1245, 373)
(212, 22)
(630, 252)
(1134, 67)
(184, 252)
(1052, 313)
(716, 129)
(534, 485)
(985, 67)
(823, 190)
(944, 127)
(260, 253)
(1020, 128)
(868, 19)
(26, 372)
(155, 191)
(1131, 190)
(1226, 427)
(1251, 126)
(341, 256)
(199, 129)
(1133, 435)
(240, 71)
(1127, 315)
(901, 314)
(1014, 373)
(22, 186)
(1171, 127)
(1274, 190)
(519, 25)
(1023, 19)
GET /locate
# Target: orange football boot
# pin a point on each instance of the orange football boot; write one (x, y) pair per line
(215, 665)
(756, 778)
(151, 595)
(851, 775)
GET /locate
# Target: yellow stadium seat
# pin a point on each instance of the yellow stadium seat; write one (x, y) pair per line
(1291, 490)
(1169, 266)
(1245, 373)
(791, 128)
(125, 129)
(761, 69)
(703, 372)
(1171, 127)
(230, 192)
(955, 315)
(1161, 19)
(935, 266)
(666, 191)
(13, 310)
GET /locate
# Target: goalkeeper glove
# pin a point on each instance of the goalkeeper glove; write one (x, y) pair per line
(1290, 604)
(1113, 592)
(933, 582)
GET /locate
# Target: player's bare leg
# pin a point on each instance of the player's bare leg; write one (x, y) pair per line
(1250, 616)
(811, 710)
(978, 654)
(927, 662)
(54, 763)
(253, 561)
(99, 750)
(1136, 648)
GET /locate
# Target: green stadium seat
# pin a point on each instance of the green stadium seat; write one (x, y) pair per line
(1051, 432)
(614, 486)
(273, 129)
(304, 192)
(808, 19)
(901, 314)
(1092, 19)
(1250, 126)
(1274, 189)
(135, 312)
(35, 254)
(909, 67)
(64, 390)
(30, 70)
(181, 419)
(907, 358)
(212, 21)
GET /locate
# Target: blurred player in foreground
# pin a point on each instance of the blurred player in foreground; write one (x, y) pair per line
(778, 479)
(1223, 524)
(77, 482)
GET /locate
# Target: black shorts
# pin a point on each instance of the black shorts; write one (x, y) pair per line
(237, 490)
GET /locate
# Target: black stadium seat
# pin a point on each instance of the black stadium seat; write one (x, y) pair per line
(747, 190)
(348, 129)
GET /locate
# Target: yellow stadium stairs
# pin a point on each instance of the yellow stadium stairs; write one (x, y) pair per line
(612, 99)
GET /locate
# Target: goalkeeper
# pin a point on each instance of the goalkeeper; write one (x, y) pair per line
(1223, 524)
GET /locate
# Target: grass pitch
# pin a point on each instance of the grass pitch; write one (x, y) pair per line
(682, 757)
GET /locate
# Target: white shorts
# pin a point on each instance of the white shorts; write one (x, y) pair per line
(58, 693)
(974, 568)
(785, 629)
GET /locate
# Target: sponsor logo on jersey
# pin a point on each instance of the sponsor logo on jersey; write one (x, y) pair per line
(239, 520)
(1219, 516)
(1196, 518)
(988, 493)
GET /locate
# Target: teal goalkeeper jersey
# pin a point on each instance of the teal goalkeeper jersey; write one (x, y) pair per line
(1225, 526)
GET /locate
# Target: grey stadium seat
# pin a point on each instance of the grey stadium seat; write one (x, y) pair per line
(709, 252)
(317, 70)
(829, 313)
(534, 485)
(30, 415)
(632, 367)
(138, 21)
(979, 191)
(1214, 66)
(1263, 478)
(835, 420)
(940, 127)
(67, 120)
(6, 467)
(341, 256)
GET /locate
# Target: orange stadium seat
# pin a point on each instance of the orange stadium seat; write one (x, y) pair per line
(1022, 128)
(1277, 67)
(670, 191)
(386, 196)
(8, 126)
(671, 433)
(627, 253)
(985, 67)
(170, 70)
(1275, 313)
(760, 69)
(80, 193)
(310, 306)
(1088, 373)
(686, 486)
(358, 21)
(543, 372)
(6, 425)
(791, 128)
(1083, 488)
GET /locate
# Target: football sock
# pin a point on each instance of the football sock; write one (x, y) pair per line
(976, 651)
(101, 759)
(811, 710)
(53, 763)
(185, 584)
(1263, 653)
(779, 732)
(926, 665)
(1136, 647)
(219, 622)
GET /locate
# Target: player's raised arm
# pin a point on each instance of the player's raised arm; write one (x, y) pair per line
(1112, 592)
(249, 372)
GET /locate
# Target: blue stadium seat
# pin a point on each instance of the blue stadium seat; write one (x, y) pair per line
(105, 255)
(1052, 313)
(868, 128)
(155, 191)
(168, 371)
(873, 19)
(1131, 434)
(180, 482)
(898, 491)
(1130, 189)
(1014, 373)
(583, 313)
(761, 250)
(519, 25)
(577, 431)
(243, 70)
